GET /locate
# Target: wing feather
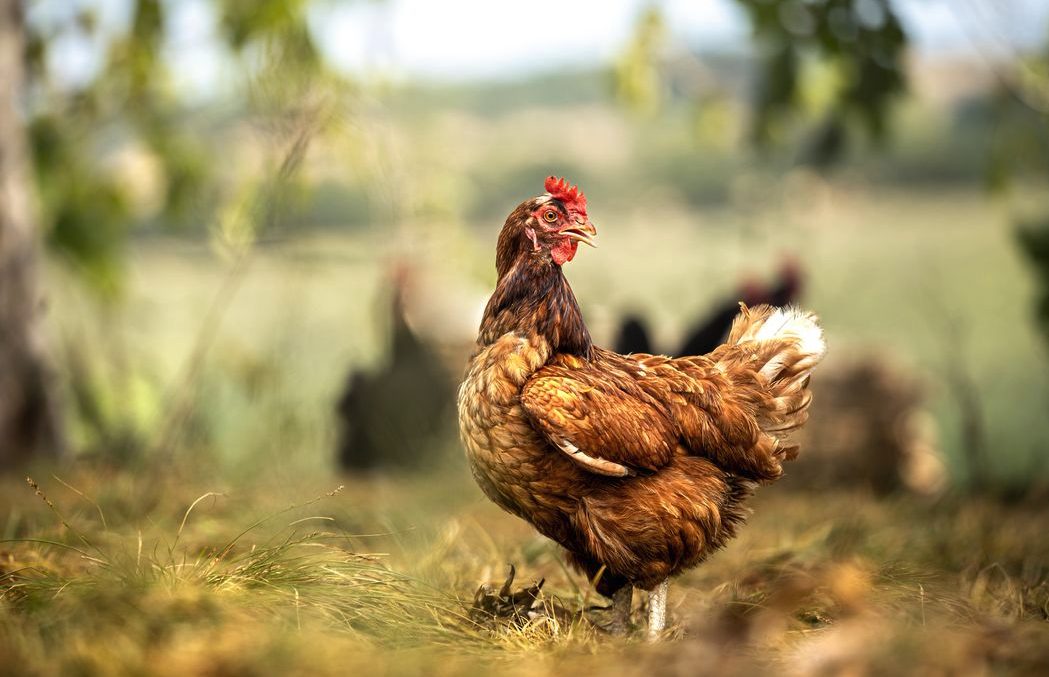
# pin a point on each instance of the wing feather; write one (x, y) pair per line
(603, 423)
(623, 415)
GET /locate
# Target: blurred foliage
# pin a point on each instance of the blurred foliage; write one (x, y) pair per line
(87, 213)
(861, 40)
(833, 61)
(122, 148)
(92, 141)
(1033, 238)
(1019, 152)
(639, 81)
(835, 65)
(1019, 145)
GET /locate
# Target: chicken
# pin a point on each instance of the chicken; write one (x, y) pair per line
(399, 416)
(711, 329)
(638, 465)
(708, 334)
(633, 336)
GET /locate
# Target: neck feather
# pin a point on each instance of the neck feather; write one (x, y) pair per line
(533, 297)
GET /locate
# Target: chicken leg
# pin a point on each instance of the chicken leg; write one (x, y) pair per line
(657, 610)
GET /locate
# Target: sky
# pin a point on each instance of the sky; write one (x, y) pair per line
(464, 39)
(456, 40)
(468, 39)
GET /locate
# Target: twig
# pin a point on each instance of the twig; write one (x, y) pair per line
(266, 203)
(964, 389)
(40, 493)
(84, 496)
(185, 517)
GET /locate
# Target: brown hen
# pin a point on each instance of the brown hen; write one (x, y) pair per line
(638, 465)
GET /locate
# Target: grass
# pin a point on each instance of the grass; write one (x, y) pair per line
(87, 596)
(241, 584)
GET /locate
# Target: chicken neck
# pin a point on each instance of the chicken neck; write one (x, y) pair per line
(534, 297)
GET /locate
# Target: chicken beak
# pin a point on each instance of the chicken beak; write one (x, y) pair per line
(583, 231)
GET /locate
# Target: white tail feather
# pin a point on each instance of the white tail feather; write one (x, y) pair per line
(783, 345)
(789, 323)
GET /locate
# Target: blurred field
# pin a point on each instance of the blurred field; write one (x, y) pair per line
(126, 572)
(929, 278)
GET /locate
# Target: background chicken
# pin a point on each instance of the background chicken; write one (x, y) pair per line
(398, 416)
(638, 465)
(711, 328)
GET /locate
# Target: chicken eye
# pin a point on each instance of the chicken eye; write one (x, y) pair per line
(550, 216)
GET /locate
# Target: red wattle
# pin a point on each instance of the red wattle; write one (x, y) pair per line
(564, 251)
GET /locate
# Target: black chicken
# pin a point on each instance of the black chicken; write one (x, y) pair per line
(710, 330)
(402, 415)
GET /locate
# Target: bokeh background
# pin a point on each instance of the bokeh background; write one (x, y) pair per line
(263, 236)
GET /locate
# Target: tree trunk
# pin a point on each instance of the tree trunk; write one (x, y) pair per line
(30, 424)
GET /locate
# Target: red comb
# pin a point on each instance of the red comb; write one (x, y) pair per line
(571, 196)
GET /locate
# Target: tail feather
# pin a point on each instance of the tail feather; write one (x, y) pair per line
(798, 329)
(784, 345)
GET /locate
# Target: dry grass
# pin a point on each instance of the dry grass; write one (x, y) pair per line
(817, 584)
